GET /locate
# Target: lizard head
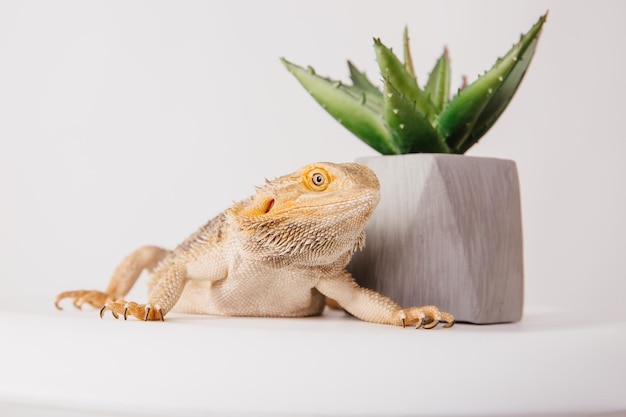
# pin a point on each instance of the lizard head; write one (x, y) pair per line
(315, 215)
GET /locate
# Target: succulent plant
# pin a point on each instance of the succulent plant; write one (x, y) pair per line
(405, 118)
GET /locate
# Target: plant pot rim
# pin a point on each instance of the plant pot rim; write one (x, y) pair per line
(435, 156)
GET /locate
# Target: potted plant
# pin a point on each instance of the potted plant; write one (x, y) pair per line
(447, 230)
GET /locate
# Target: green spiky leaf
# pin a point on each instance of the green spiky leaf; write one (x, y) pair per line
(476, 108)
(403, 81)
(504, 93)
(438, 85)
(408, 60)
(409, 129)
(354, 109)
(360, 81)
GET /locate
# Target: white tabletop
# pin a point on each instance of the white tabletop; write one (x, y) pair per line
(72, 363)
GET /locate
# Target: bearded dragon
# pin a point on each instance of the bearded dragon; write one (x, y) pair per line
(280, 253)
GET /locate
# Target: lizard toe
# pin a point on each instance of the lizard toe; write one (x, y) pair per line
(92, 297)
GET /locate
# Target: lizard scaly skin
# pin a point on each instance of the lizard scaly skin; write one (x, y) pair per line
(280, 253)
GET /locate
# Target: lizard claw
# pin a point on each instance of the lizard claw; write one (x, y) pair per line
(430, 324)
(104, 308)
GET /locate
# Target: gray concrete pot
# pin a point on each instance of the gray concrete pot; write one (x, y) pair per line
(447, 232)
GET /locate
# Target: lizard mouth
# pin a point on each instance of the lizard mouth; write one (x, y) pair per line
(338, 203)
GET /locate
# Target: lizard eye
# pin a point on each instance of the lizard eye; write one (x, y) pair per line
(318, 179)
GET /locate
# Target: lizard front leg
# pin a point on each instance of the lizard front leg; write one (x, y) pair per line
(169, 286)
(374, 307)
(123, 279)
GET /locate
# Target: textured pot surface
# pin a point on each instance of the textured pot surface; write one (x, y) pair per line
(447, 232)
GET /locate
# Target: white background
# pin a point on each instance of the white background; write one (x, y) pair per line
(131, 123)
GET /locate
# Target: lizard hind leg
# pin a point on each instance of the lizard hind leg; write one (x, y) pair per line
(123, 279)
